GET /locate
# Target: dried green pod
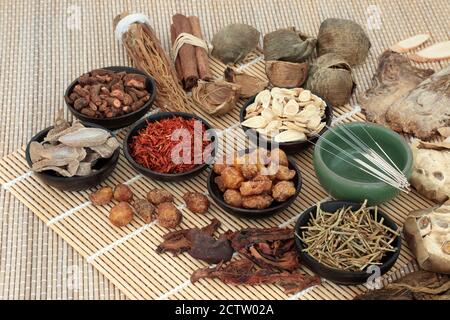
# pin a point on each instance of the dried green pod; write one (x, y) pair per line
(331, 79)
(343, 37)
(234, 42)
(288, 45)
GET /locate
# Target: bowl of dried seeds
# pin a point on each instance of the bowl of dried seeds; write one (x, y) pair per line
(113, 97)
(290, 119)
(347, 243)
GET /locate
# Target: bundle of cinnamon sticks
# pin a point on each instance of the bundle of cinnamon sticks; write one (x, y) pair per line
(192, 62)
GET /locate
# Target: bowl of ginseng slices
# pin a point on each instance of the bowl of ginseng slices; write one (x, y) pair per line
(291, 119)
(73, 156)
(347, 243)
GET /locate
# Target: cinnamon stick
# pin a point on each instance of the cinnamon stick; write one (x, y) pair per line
(173, 37)
(186, 54)
(200, 53)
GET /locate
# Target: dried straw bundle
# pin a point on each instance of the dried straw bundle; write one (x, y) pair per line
(145, 49)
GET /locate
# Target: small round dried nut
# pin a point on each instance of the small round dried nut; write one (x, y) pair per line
(196, 202)
(121, 214)
(158, 196)
(123, 193)
(168, 215)
(144, 209)
(102, 196)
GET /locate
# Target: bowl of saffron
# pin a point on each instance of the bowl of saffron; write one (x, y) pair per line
(170, 146)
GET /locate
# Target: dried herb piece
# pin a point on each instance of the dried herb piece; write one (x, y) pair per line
(158, 196)
(102, 196)
(286, 74)
(234, 42)
(250, 85)
(123, 193)
(177, 242)
(204, 247)
(244, 272)
(345, 38)
(196, 202)
(218, 97)
(168, 215)
(288, 45)
(419, 285)
(437, 52)
(331, 79)
(410, 43)
(145, 49)
(144, 209)
(121, 214)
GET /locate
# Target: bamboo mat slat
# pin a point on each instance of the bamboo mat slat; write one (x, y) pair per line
(49, 238)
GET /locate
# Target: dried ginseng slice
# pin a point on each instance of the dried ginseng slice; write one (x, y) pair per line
(437, 52)
(291, 108)
(410, 43)
(255, 122)
(290, 136)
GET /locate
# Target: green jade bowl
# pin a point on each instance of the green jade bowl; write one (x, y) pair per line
(344, 181)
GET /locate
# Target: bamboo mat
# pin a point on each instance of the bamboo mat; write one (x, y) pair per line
(44, 45)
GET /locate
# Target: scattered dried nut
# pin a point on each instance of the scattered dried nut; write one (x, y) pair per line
(102, 196)
(123, 193)
(121, 214)
(168, 215)
(233, 198)
(158, 196)
(196, 202)
(144, 209)
(283, 190)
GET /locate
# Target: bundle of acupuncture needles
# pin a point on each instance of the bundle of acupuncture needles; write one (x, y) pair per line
(373, 161)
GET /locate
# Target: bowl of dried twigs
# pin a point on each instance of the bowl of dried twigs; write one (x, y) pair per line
(347, 243)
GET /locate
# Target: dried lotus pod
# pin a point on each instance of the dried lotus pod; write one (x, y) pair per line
(286, 74)
(331, 78)
(234, 42)
(343, 37)
(217, 98)
(250, 85)
(288, 45)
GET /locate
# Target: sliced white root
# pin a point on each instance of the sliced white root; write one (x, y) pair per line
(410, 43)
(437, 52)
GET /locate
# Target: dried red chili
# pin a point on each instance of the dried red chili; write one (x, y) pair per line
(153, 146)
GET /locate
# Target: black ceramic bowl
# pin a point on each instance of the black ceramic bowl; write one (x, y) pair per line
(103, 168)
(123, 120)
(336, 275)
(288, 147)
(157, 175)
(275, 208)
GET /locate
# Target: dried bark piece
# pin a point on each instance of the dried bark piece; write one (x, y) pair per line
(286, 74)
(437, 52)
(177, 242)
(249, 85)
(345, 38)
(84, 169)
(425, 109)
(394, 79)
(234, 42)
(288, 45)
(410, 43)
(85, 137)
(107, 149)
(54, 135)
(204, 247)
(244, 272)
(217, 98)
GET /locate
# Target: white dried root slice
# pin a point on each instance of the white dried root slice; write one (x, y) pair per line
(252, 108)
(314, 122)
(263, 98)
(291, 109)
(255, 122)
(410, 43)
(437, 52)
(268, 114)
(305, 96)
(273, 125)
(85, 137)
(290, 136)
